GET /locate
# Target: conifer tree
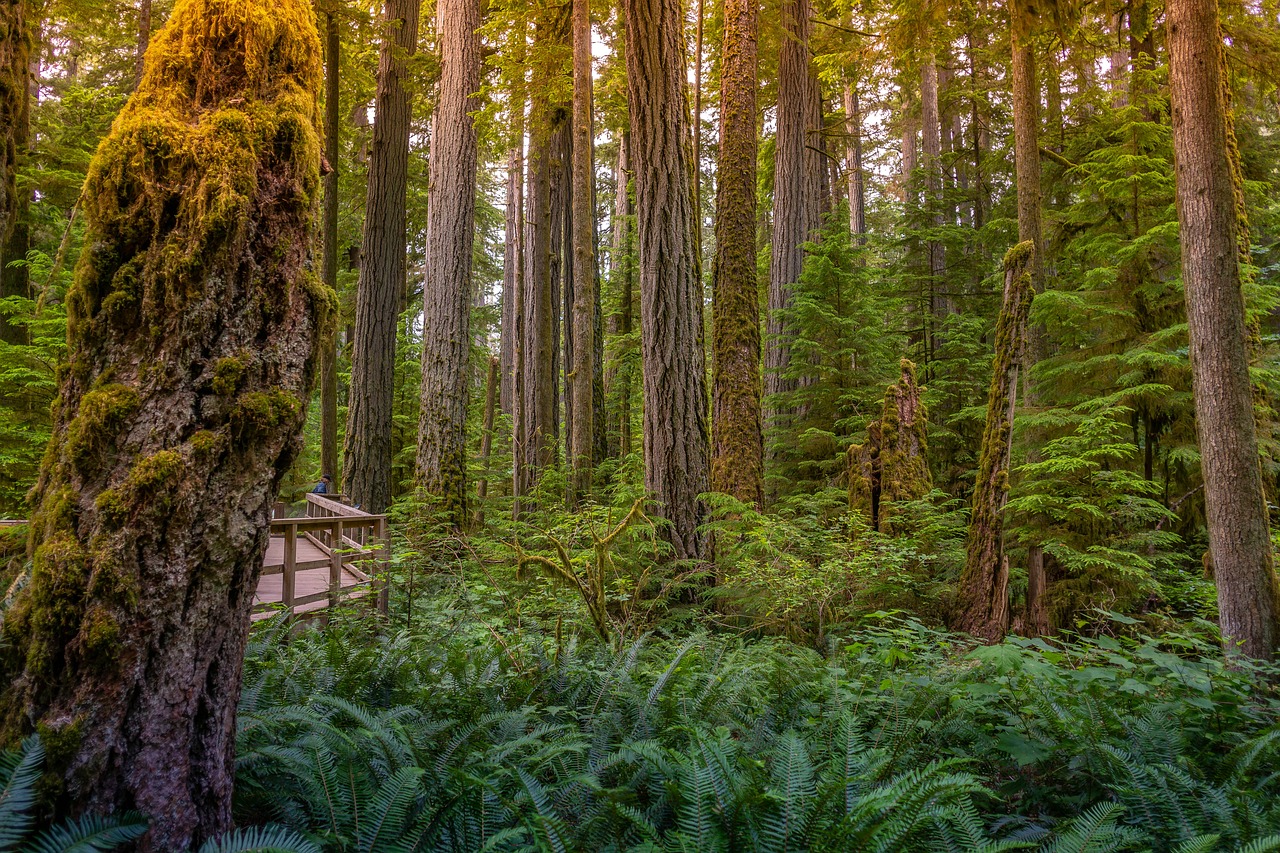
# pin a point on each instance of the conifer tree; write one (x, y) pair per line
(675, 402)
(193, 329)
(1212, 222)
(380, 290)
(442, 449)
(737, 466)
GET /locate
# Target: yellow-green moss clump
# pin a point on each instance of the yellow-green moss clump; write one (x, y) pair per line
(892, 467)
(101, 413)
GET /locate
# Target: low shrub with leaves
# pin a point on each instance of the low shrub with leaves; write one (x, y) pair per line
(898, 738)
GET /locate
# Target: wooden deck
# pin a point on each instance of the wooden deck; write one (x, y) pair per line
(334, 553)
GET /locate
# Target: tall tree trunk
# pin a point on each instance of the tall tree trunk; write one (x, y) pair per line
(536, 425)
(984, 599)
(1211, 227)
(1026, 132)
(153, 502)
(675, 411)
(486, 437)
(931, 143)
(380, 288)
(513, 254)
(582, 439)
(624, 273)
(853, 163)
(16, 62)
(794, 207)
(329, 346)
(15, 52)
(144, 39)
(451, 206)
(737, 464)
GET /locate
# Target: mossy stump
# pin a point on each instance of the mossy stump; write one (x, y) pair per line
(892, 467)
(984, 603)
(193, 327)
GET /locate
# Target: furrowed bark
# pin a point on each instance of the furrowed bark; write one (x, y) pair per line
(329, 346)
(193, 328)
(675, 414)
(442, 449)
(1211, 227)
(582, 439)
(737, 466)
(380, 289)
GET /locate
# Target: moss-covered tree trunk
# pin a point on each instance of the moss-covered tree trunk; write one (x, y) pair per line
(329, 266)
(15, 50)
(451, 206)
(193, 328)
(984, 603)
(737, 464)
(15, 132)
(1214, 244)
(582, 309)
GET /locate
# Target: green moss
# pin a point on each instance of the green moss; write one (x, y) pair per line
(112, 508)
(262, 411)
(152, 475)
(1019, 255)
(62, 743)
(227, 373)
(100, 638)
(205, 442)
(101, 413)
(58, 580)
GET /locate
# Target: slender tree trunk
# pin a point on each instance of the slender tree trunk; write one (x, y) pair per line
(984, 600)
(144, 39)
(15, 132)
(15, 52)
(451, 206)
(794, 208)
(931, 139)
(1026, 131)
(329, 346)
(486, 437)
(380, 287)
(624, 271)
(513, 257)
(1211, 227)
(737, 465)
(675, 411)
(582, 439)
(152, 506)
(853, 164)
(536, 425)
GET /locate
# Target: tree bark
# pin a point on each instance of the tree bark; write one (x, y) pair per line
(15, 51)
(144, 39)
(536, 424)
(853, 164)
(624, 271)
(737, 465)
(380, 288)
(451, 205)
(1211, 228)
(193, 329)
(984, 602)
(582, 439)
(675, 413)
(329, 271)
(795, 202)
(931, 139)
(513, 255)
(15, 133)
(486, 437)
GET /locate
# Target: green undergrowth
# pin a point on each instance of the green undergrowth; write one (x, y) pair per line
(469, 735)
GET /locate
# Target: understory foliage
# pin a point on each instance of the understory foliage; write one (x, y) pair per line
(471, 735)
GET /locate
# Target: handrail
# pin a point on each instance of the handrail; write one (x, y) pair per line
(334, 507)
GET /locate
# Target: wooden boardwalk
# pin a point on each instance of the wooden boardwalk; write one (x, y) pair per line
(334, 553)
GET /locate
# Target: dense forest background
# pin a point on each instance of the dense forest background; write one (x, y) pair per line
(712, 362)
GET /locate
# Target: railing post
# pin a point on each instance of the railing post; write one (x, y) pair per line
(290, 566)
(335, 562)
(384, 563)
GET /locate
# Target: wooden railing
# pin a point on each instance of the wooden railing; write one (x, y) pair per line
(344, 539)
